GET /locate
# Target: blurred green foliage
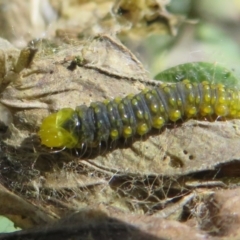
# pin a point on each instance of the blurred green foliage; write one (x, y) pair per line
(209, 34)
(7, 226)
(198, 72)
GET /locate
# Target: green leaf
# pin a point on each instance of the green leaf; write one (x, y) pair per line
(198, 72)
(7, 225)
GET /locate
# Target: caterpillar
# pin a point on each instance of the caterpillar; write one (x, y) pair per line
(138, 114)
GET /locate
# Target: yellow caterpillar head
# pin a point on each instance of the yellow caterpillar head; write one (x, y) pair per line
(58, 129)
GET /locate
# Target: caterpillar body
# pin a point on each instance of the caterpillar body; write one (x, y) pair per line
(138, 114)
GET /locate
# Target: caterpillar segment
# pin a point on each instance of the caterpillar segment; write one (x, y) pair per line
(138, 114)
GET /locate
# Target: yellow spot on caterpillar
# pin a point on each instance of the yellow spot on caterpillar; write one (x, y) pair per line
(146, 117)
(207, 98)
(148, 96)
(172, 101)
(179, 102)
(222, 99)
(106, 101)
(167, 89)
(188, 86)
(114, 134)
(174, 115)
(221, 110)
(154, 108)
(127, 131)
(142, 129)
(130, 96)
(197, 100)
(139, 114)
(158, 122)
(109, 108)
(191, 98)
(117, 100)
(134, 102)
(121, 106)
(206, 110)
(190, 111)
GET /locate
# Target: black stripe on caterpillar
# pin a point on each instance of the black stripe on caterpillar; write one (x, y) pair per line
(138, 114)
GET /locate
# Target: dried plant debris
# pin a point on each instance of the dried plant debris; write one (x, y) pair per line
(124, 18)
(73, 20)
(145, 17)
(171, 174)
(30, 20)
(109, 224)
